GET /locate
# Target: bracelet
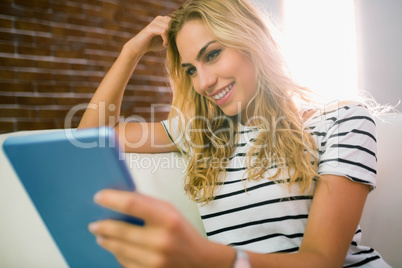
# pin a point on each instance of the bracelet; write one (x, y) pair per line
(242, 260)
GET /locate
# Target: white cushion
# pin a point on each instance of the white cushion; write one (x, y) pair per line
(25, 241)
(381, 221)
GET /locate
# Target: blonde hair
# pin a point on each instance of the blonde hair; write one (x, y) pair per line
(239, 25)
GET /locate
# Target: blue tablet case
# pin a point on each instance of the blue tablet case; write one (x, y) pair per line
(61, 172)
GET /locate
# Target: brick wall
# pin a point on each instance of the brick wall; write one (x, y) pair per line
(53, 55)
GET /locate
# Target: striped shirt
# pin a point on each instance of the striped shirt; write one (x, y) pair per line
(263, 216)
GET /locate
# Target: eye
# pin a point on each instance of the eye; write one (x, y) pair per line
(191, 71)
(213, 54)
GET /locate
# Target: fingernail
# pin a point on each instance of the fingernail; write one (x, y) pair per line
(97, 197)
(93, 227)
(99, 239)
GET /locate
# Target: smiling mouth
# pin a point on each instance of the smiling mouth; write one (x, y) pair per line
(222, 94)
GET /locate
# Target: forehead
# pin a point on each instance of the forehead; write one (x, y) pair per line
(191, 39)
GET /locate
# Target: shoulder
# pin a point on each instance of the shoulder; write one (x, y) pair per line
(339, 113)
(346, 139)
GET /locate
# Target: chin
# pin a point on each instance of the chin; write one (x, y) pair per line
(232, 112)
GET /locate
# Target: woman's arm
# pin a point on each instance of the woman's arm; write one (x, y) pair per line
(144, 137)
(104, 108)
(167, 240)
(334, 216)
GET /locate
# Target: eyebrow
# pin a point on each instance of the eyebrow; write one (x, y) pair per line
(202, 50)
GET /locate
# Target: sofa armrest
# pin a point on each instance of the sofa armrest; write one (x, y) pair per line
(381, 222)
(25, 240)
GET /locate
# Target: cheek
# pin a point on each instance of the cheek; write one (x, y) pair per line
(196, 85)
(234, 62)
(249, 76)
(227, 67)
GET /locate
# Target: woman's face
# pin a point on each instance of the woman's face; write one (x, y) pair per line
(223, 75)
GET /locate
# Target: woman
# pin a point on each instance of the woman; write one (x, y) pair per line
(270, 177)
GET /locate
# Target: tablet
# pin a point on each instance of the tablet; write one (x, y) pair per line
(61, 171)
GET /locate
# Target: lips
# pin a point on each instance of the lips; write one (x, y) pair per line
(222, 92)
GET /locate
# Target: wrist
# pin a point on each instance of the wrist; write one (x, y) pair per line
(213, 255)
(129, 51)
(242, 260)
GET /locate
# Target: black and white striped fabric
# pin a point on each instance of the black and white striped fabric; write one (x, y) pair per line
(264, 216)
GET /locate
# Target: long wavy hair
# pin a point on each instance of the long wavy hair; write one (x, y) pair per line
(276, 111)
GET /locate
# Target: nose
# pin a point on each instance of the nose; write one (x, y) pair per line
(207, 79)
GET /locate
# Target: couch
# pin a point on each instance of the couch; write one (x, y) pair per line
(25, 241)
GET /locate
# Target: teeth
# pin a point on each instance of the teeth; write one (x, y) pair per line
(223, 93)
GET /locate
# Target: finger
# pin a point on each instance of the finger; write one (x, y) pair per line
(156, 37)
(161, 24)
(127, 263)
(150, 38)
(126, 253)
(166, 20)
(119, 230)
(151, 210)
(162, 20)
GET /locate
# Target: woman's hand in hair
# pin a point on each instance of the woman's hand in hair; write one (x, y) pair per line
(166, 239)
(152, 38)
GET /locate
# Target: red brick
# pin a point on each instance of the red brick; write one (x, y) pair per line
(16, 113)
(84, 89)
(52, 88)
(102, 14)
(52, 114)
(7, 74)
(64, 77)
(35, 124)
(45, 41)
(17, 12)
(65, 8)
(109, 47)
(72, 123)
(69, 54)
(52, 65)
(95, 79)
(109, 5)
(32, 50)
(32, 26)
(101, 57)
(87, 67)
(111, 25)
(71, 101)
(35, 100)
(7, 48)
(33, 4)
(99, 35)
(51, 16)
(67, 31)
(8, 99)
(129, 18)
(84, 22)
(16, 37)
(94, 3)
(16, 87)
(6, 23)
(154, 5)
(6, 126)
(6, 2)
(34, 76)
(16, 62)
(140, 10)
